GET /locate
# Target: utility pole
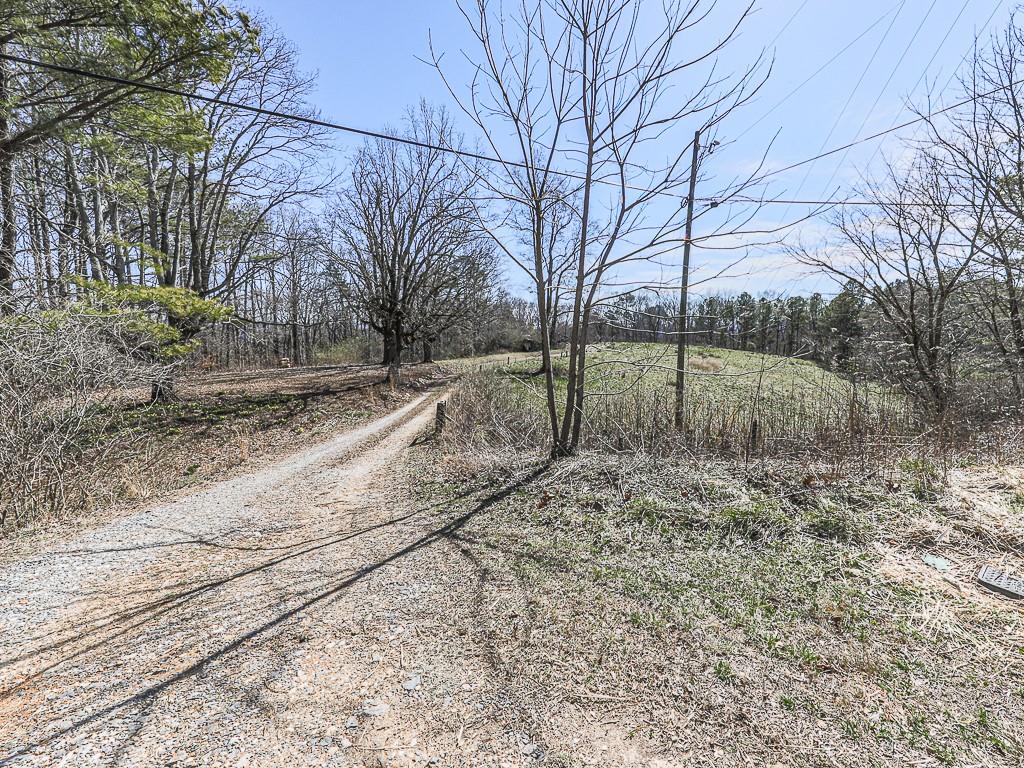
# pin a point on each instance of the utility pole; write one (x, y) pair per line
(682, 327)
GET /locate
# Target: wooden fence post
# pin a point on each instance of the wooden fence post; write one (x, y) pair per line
(441, 417)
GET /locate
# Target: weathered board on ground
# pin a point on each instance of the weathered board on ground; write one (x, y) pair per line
(1001, 582)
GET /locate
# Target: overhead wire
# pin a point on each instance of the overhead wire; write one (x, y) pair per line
(785, 26)
(885, 86)
(142, 84)
(853, 93)
(849, 100)
(816, 72)
(963, 59)
(315, 121)
(883, 89)
(878, 134)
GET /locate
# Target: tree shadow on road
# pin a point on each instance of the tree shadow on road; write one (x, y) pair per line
(156, 608)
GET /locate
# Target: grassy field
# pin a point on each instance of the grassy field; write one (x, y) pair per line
(737, 403)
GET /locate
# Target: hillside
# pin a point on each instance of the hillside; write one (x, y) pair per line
(737, 403)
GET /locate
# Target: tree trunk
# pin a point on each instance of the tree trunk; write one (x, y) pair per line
(162, 389)
(393, 354)
(120, 264)
(152, 200)
(296, 343)
(194, 278)
(39, 199)
(1016, 322)
(85, 231)
(169, 268)
(389, 349)
(7, 232)
(428, 350)
(577, 351)
(543, 309)
(576, 374)
(99, 237)
(577, 427)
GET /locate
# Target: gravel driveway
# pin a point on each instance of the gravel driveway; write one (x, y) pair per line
(279, 618)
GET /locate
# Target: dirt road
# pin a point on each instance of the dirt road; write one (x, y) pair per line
(285, 617)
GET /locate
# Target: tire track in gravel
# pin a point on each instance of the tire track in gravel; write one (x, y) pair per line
(157, 639)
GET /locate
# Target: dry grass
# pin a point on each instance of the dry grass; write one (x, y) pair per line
(705, 364)
(218, 424)
(746, 599)
(738, 405)
(763, 617)
(754, 592)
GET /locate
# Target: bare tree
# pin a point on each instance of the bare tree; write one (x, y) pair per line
(905, 256)
(981, 152)
(406, 238)
(258, 164)
(575, 94)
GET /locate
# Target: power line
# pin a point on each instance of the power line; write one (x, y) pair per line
(849, 101)
(129, 83)
(782, 201)
(853, 92)
(894, 12)
(963, 59)
(974, 43)
(881, 92)
(786, 25)
(165, 89)
(816, 72)
(168, 90)
(899, 127)
(945, 37)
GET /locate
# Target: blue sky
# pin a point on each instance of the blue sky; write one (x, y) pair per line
(368, 57)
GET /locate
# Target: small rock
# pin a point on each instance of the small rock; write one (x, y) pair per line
(936, 562)
(353, 722)
(528, 748)
(412, 683)
(375, 708)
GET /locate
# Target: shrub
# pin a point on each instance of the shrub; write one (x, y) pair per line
(158, 324)
(923, 477)
(57, 372)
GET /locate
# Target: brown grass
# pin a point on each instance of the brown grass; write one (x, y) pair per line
(216, 425)
(738, 405)
(728, 617)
